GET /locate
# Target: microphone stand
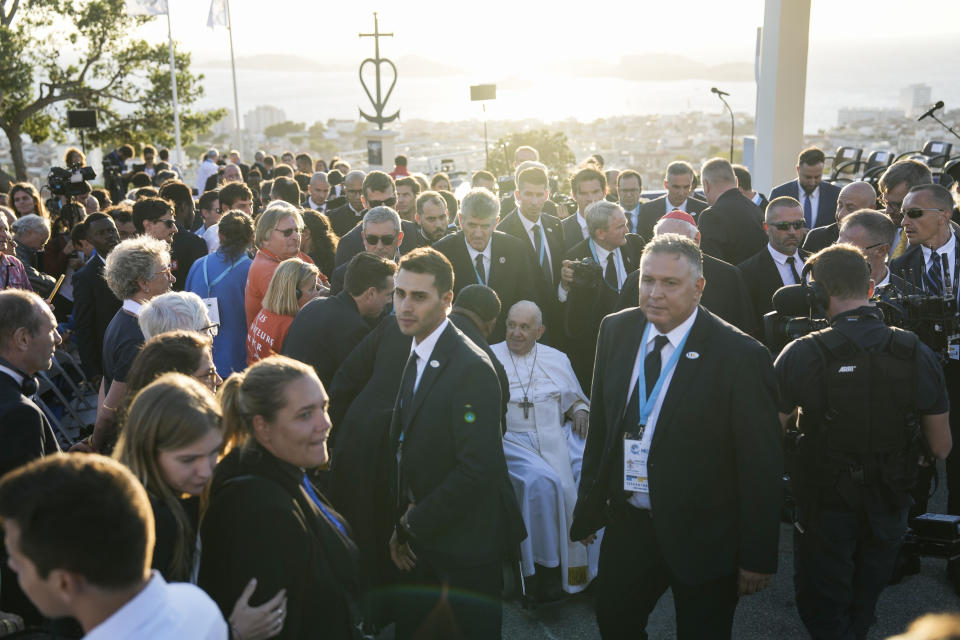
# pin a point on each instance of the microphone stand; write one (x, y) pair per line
(732, 123)
(942, 124)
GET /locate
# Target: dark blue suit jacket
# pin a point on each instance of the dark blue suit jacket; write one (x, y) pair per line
(826, 206)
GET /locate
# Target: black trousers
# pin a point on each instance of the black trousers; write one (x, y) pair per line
(842, 562)
(449, 604)
(633, 575)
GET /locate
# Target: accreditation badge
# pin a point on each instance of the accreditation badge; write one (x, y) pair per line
(954, 351)
(635, 454)
(213, 309)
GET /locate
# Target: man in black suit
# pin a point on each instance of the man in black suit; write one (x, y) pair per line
(732, 225)
(94, 303)
(853, 197)
(688, 484)
(781, 262)
(185, 247)
(347, 216)
(725, 294)
(745, 184)
(894, 185)
(541, 233)
(629, 188)
(679, 183)
(383, 233)
(587, 186)
(317, 192)
(456, 512)
(326, 330)
(872, 232)
(818, 199)
(586, 303)
(432, 218)
(481, 255)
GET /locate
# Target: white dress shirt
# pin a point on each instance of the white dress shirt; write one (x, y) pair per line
(425, 350)
(583, 224)
(543, 235)
(316, 207)
(670, 207)
(949, 249)
(781, 261)
(487, 260)
(617, 260)
(164, 611)
(639, 499)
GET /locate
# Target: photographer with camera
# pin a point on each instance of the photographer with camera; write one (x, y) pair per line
(114, 166)
(872, 400)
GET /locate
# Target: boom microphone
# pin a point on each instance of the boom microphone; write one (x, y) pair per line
(931, 110)
(724, 93)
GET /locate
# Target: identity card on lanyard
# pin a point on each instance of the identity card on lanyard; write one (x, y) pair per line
(636, 443)
(211, 302)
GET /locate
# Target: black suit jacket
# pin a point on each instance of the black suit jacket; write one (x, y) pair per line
(763, 279)
(586, 307)
(731, 230)
(94, 306)
(185, 249)
(510, 274)
(572, 232)
(343, 218)
(465, 513)
(352, 242)
(716, 463)
(469, 329)
(25, 433)
(651, 212)
(821, 238)
(725, 294)
(552, 229)
(826, 206)
(508, 205)
(324, 332)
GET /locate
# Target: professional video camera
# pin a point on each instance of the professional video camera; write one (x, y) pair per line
(563, 200)
(933, 318)
(507, 185)
(70, 181)
(587, 274)
(934, 534)
(795, 315)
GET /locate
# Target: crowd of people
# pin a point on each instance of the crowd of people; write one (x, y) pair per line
(333, 401)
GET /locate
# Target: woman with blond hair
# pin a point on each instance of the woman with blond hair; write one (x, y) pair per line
(171, 443)
(294, 284)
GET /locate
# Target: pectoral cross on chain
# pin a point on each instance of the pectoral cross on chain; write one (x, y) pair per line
(526, 405)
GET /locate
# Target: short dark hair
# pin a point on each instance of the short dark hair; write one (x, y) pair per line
(121, 214)
(437, 177)
(585, 175)
(532, 175)
(208, 198)
(18, 309)
(377, 181)
(179, 351)
(400, 160)
(78, 233)
(431, 261)
(102, 196)
(178, 193)
(149, 147)
(743, 177)
(811, 156)
(151, 209)
(479, 299)
(630, 173)
(430, 196)
(842, 270)
(878, 226)
(236, 233)
(140, 179)
(367, 270)
(304, 157)
(125, 150)
(939, 193)
(282, 171)
(453, 207)
(82, 513)
(783, 202)
(285, 189)
(409, 181)
(913, 172)
(233, 192)
(483, 174)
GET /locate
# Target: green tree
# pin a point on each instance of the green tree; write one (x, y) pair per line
(57, 54)
(553, 147)
(284, 128)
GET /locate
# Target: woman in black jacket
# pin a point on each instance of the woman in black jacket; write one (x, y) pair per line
(266, 518)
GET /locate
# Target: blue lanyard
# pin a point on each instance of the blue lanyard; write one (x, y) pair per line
(646, 404)
(477, 273)
(216, 281)
(616, 258)
(316, 500)
(543, 241)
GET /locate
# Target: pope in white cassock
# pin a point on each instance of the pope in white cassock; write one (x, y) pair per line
(547, 419)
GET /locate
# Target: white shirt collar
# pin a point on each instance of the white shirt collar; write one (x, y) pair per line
(132, 306)
(526, 221)
(779, 258)
(582, 222)
(473, 252)
(948, 248)
(313, 205)
(886, 279)
(128, 618)
(102, 259)
(676, 334)
(681, 207)
(425, 348)
(603, 253)
(18, 377)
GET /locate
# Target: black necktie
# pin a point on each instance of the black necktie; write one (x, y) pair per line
(407, 384)
(481, 272)
(652, 363)
(793, 270)
(610, 273)
(545, 262)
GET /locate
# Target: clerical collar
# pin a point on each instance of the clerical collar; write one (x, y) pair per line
(782, 258)
(132, 307)
(676, 334)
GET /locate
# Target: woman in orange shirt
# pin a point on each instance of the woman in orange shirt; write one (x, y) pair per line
(294, 284)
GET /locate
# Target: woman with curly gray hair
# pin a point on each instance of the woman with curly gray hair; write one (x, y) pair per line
(137, 270)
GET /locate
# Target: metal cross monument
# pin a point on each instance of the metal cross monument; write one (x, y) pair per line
(376, 61)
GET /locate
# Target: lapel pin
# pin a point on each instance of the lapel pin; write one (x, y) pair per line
(503, 260)
(692, 355)
(434, 364)
(549, 229)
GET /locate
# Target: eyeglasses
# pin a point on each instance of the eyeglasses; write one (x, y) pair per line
(209, 377)
(784, 226)
(375, 240)
(890, 204)
(916, 212)
(289, 232)
(169, 222)
(211, 329)
(389, 202)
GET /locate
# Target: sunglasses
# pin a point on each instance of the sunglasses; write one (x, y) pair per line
(169, 222)
(784, 226)
(289, 232)
(389, 202)
(375, 240)
(916, 212)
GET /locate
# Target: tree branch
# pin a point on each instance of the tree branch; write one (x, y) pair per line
(5, 20)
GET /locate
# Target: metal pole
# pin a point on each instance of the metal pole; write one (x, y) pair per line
(486, 144)
(237, 140)
(731, 125)
(173, 87)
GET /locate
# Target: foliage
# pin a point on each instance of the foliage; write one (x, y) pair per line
(553, 147)
(285, 128)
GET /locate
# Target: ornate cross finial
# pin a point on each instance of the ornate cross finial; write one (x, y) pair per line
(380, 102)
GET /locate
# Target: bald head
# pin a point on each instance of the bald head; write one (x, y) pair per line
(524, 327)
(855, 196)
(681, 227)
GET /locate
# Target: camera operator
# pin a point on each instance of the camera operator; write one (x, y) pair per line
(869, 396)
(114, 166)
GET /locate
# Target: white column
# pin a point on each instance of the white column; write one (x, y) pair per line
(781, 91)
